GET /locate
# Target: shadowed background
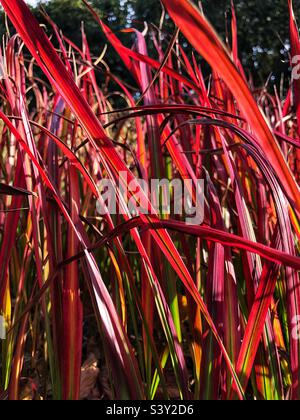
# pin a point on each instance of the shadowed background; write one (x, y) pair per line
(263, 29)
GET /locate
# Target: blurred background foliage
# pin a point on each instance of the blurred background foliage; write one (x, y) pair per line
(263, 29)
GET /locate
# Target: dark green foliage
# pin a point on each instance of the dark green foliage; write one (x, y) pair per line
(263, 29)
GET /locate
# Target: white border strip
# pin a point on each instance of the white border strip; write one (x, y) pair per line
(2, 328)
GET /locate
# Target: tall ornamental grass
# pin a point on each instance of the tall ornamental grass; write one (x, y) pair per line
(176, 310)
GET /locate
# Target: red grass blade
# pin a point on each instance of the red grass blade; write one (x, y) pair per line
(204, 39)
(295, 50)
